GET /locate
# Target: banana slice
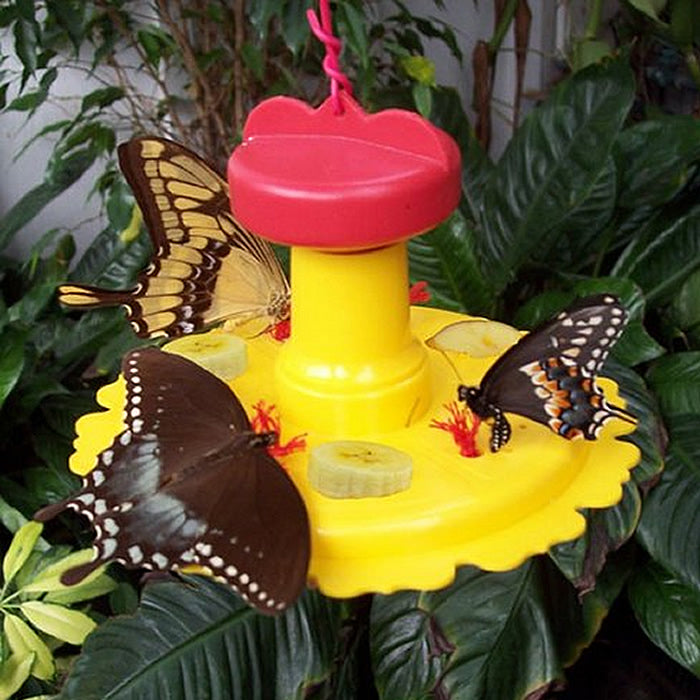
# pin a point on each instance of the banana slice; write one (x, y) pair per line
(478, 338)
(357, 469)
(223, 354)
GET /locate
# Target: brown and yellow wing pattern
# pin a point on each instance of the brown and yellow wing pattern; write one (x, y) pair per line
(206, 268)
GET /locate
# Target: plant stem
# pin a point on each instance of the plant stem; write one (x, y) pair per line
(593, 22)
(504, 23)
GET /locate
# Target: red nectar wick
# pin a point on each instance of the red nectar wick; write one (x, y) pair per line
(464, 425)
(266, 420)
(281, 330)
(418, 293)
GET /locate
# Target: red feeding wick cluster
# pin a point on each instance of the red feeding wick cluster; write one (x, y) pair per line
(464, 425)
(418, 293)
(266, 420)
(281, 330)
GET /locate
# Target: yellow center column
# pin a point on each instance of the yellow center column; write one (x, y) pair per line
(351, 366)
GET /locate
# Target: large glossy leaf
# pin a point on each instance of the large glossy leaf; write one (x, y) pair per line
(653, 158)
(583, 226)
(661, 259)
(551, 166)
(650, 435)
(607, 529)
(668, 609)
(676, 382)
(11, 360)
(197, 639)
(113, 260)
(488, 635)
(448, 114)
(445, 259)
(670, 525)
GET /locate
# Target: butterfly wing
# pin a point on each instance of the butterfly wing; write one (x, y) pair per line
(206, 268)
(549, 375)
(187, 483)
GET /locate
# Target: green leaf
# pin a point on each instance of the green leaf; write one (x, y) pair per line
(24, 641)
(636, 346)
(352, 24)
(420, 69)
(653, 159)
(676, 382)
(14, 671)
(101, 98)
(685, 306)
(449, 115)
(651, 8)
(199, 638)
(71, 626)
(26, 45)
(589, 51)
(20, 548)
(253, 58)
(61, 176)
(607, 529)
(85, 590)
(668, 610)
(650, 433)
(10, 517)
(112, 262)
(551, 166)
(488, 635)
(661, 260)
(48, 579)
(670, 525)
(423, 99)
(293, 25)
(11, 360)
(581, 227)
(70, 16)
(445, 259)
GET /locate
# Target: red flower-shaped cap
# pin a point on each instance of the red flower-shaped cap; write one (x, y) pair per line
(343, 181)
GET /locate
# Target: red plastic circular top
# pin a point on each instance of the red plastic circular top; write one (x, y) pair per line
(315, 178)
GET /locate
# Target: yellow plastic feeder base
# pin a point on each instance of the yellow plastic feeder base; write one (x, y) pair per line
(492, 511)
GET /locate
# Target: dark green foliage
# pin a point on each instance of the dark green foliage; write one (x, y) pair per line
(591, 194)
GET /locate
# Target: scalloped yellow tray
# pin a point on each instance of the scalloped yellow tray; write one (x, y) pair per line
(493, 511)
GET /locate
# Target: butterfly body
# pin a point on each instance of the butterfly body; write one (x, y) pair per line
(187, 482)
(206, 268)
(550, 375)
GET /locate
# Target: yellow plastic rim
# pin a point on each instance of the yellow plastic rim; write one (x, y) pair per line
(493, 511)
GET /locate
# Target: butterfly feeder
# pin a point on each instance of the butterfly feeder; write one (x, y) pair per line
(346, 190)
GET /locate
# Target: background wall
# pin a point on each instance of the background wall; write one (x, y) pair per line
(552, 23)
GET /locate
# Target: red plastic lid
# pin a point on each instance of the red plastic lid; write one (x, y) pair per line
(315, 178)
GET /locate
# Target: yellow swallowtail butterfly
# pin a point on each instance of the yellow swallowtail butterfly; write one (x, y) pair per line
(206, 268)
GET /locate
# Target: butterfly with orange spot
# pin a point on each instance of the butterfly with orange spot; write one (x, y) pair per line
(206, 268)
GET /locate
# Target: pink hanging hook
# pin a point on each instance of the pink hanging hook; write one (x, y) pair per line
(323, 31)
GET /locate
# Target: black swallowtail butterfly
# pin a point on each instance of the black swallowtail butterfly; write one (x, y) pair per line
(188, 482)
(549, 376)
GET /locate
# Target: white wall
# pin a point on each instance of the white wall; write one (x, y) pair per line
(471, 21)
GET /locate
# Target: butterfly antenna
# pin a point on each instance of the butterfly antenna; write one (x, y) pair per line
(452, 364)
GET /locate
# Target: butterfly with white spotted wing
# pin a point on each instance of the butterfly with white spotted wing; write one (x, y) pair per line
(187, 482)
(550, 375)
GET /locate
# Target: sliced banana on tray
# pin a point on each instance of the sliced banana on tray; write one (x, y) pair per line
(223, 354)
(478, 338)
(357, 469)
